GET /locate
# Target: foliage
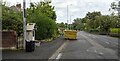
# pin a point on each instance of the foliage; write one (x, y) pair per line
(61, 25)
(97, 21)
(78, 25)
(44, 16)
(115, 30)
(41, 13)
(11, 20)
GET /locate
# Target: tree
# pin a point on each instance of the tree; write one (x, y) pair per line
(11, 21)
(47, 9)
(78, 24)
(91, 19)
(92, 15)
(44, 16)
(115, 6)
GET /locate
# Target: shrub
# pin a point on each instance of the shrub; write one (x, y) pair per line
(115, 30)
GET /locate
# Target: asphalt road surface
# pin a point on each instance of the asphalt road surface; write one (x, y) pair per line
(89, 46)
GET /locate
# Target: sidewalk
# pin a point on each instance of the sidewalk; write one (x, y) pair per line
(42, 52)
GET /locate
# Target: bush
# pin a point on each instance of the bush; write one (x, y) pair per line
(115, 30)
(46, 27)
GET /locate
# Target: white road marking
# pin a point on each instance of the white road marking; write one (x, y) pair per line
(92, 41)
(106, 38)
(103, 38)
(95, 51)
(89, 34)
(87, 50)
(59, 56)
(107, 42)
(56, 54)
(100, 53)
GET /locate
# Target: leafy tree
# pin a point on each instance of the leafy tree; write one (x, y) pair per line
(44, 16)
(91, 17)
(78, 24)
(11, 20)
(97, 21)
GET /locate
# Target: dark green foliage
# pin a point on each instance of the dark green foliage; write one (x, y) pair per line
(11, 20)
(96, 21)
(43, 15)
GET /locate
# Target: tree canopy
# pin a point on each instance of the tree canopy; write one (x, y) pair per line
(44, 16)
(41, 13)
(11, 20)
(97, 21)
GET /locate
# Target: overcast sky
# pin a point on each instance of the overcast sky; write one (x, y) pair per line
(78, 9)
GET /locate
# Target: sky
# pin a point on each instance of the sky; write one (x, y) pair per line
(76, 8)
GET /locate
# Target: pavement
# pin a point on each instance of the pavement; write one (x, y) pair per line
(44, 51)
(87, 46)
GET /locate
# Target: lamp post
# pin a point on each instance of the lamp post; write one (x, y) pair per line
(70, 22)
(24, 23)
(68, 15)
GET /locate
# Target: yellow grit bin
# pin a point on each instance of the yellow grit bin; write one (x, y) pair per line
(70, 34)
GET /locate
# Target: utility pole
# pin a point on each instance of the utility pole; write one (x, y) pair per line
(24, 23)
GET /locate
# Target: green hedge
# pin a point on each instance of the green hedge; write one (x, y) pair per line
(115, 30)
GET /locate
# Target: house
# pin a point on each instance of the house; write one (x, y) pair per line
(16, 8)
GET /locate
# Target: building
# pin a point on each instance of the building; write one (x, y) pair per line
(16, 8)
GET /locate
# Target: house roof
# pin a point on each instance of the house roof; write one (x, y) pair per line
(30, 26)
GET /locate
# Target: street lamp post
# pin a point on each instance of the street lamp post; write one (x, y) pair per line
(68, 16)
(70, 22)
(24, 23)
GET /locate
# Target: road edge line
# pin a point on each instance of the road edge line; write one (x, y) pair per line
(58, 51)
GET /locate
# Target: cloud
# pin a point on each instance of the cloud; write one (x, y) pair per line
(79, 8)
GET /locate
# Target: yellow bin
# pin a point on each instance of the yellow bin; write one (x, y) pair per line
(70, 34)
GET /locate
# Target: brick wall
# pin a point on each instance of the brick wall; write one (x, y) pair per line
(9, 39)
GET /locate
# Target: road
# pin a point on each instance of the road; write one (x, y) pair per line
(89, 46)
